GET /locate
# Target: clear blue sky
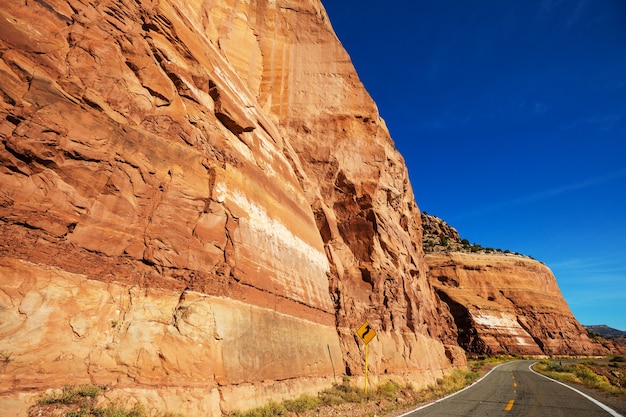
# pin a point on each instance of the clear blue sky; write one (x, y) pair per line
(511, 116)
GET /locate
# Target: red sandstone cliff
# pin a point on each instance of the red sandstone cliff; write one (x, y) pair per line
(502, 303)
(199, 203)
(508, 304)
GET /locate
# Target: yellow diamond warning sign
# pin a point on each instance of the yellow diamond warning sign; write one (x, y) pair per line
(366, 332)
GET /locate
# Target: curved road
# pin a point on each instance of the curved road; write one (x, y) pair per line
(513, 390)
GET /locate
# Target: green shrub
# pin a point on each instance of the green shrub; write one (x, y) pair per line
(117, 411)
(302, 403)
(85, 397)
(388, 390)
(556, 367)
(590, 378)
(71, 395)
(344, 392)
(269, 410)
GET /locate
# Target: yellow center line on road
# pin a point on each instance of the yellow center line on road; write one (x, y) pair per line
(509, 405)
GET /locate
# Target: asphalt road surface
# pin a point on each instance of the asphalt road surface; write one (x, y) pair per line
(513, 390)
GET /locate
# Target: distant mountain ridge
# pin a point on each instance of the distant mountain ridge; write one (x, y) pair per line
(606, 331)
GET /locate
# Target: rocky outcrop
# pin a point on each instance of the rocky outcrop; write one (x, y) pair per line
(199, 203)
(439, 237)
(502, 302)
(435, 230)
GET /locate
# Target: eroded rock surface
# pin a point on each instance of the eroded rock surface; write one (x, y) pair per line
(502, 302)
(199, 203)
(508, 304)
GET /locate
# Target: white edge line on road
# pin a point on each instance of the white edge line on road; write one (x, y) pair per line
(593, 400)
(459, 391)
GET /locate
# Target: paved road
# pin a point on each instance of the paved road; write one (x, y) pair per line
(513, 390)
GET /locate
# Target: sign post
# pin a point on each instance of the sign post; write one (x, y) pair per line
(366, 333)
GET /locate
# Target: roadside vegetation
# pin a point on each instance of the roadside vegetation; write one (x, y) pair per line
(345, 398)
(606, 375)
(86, 401)
(348, 400)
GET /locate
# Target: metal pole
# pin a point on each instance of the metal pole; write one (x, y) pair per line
(366, 370)
(331, 362)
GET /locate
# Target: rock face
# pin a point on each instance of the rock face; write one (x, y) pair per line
(198, 205)
(503, 303)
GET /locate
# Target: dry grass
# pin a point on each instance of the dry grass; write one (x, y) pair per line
(607, 377)
(346, 399)
(81, 401)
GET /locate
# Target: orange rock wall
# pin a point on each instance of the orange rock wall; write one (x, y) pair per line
(508, 304)
(199, 204)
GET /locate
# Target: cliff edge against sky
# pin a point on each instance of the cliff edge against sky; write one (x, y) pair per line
(502, 302)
